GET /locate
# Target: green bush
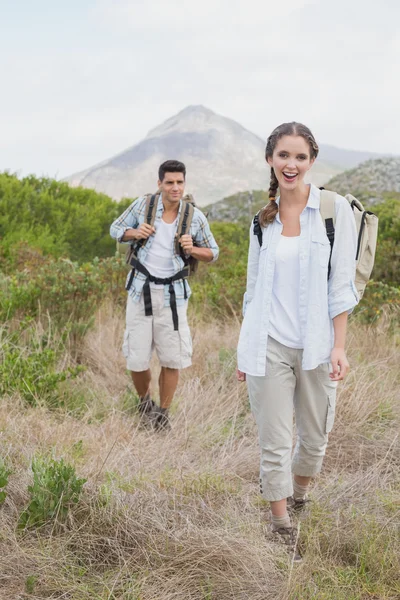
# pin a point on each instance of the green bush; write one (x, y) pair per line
(4, 475)
(219, 287)
(55, 219)
(55, 489)
(387, 260)
(379, 298)
(30, 368)
(66, 291)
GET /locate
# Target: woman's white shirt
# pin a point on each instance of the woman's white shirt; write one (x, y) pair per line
(284, 319)
(319, 300)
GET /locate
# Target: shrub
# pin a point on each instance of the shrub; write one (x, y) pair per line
(379, 298)
(30, 369)
(387, 260)
(55, 489)
(55, 219)
(4, 474)
(219, 287)
(66, 291)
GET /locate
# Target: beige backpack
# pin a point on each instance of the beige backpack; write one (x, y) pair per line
(367, 233)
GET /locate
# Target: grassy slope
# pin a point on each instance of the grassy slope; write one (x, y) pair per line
(178, 516)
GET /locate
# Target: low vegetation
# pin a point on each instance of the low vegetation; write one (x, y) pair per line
(94, 505)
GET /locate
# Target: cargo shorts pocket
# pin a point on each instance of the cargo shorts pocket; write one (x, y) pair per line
(125, 345)
(330, 413)
(186, 345)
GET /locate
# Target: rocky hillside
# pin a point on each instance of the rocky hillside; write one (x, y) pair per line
(373, 181)
(238, 208)
(370, 181)
(221, 156)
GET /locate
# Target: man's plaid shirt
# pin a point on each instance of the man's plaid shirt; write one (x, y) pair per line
(134, 216)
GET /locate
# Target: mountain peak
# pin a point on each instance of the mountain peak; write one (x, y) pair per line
(195, 117)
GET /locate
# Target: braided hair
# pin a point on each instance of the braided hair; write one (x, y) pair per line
(268, 213)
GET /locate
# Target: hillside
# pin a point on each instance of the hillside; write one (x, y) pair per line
(238, 208)
(221, 156)
(370, 181)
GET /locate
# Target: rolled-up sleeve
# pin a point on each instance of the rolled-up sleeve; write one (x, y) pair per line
(128, 220)
(252, 268)
(342, 293)
(204, 237)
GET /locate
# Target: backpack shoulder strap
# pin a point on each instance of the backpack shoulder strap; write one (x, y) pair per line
(184, 223)
(328, 215)
(257, 229)
(151, 208)
(327, 205)
(149, 216)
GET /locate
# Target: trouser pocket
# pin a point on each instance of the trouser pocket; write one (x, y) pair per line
(330, 413)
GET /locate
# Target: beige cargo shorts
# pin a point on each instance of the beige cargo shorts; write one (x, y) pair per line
(143, 334)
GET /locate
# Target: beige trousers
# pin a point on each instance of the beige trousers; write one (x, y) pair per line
(312, 395)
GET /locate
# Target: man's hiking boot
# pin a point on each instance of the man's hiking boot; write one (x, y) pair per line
(145, 405)
(288, 537)
(160, 418)
(297, 506)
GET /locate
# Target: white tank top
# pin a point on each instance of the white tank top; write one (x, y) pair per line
(284, 324)
(159, 259)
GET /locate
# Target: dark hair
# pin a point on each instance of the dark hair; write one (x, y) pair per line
(171, 166)
(267, 215)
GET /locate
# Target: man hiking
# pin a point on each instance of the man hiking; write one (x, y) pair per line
(168, 235)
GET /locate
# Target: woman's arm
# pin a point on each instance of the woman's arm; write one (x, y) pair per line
(340, 364)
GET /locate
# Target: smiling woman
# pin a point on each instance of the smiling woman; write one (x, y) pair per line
(291, 344)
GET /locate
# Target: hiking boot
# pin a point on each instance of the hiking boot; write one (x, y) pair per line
(145, 405)
(297, 506)
(288, 537)
(160, 418)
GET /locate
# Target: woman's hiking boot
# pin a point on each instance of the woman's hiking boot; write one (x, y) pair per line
(145, 405)
(289, 537)
(160, 418)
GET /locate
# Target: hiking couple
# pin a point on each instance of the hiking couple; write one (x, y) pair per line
(300, 290)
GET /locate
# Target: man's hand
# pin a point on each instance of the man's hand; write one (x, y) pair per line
(240, 376)
(143, 232)
(340, 364)
(186, 241)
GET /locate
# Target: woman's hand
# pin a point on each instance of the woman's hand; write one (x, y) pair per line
(240, 376)
(340, 364)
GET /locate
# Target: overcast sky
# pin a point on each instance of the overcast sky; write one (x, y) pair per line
(83, 80)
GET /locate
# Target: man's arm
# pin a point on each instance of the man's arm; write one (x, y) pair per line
(202, 254)
(124, 228)
(205, 247)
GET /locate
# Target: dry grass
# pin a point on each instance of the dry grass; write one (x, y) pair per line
(178, 515)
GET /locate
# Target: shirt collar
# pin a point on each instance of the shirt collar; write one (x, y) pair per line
(160, 206)
(313, 197)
